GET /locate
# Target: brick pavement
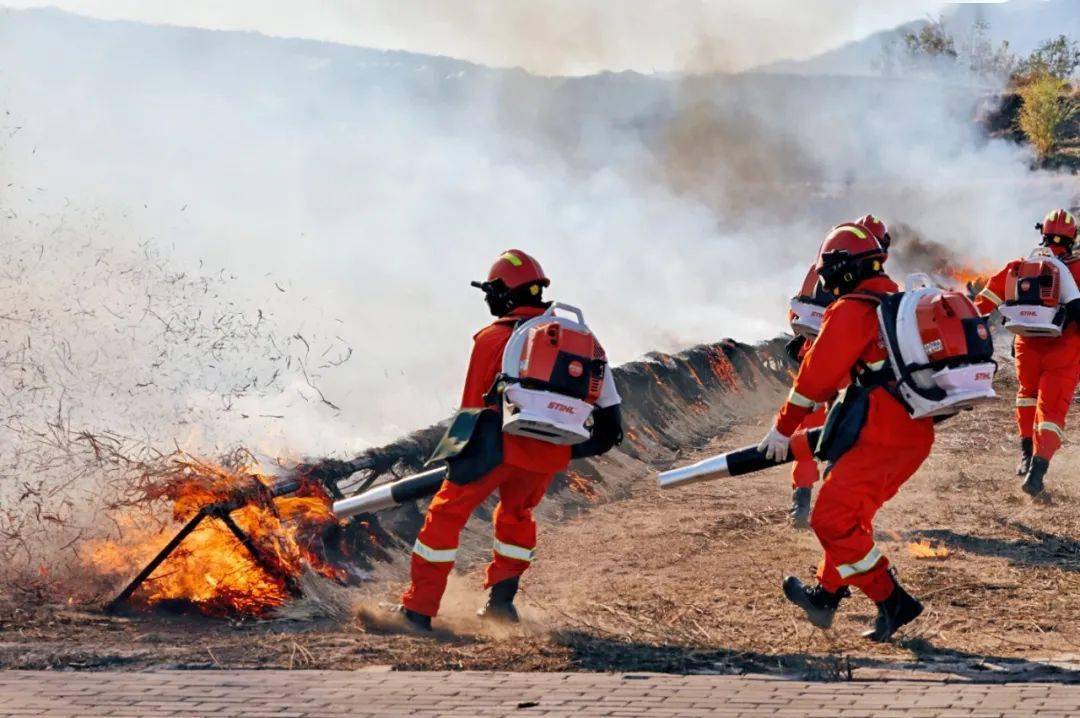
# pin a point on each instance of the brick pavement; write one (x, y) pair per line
(312, 694)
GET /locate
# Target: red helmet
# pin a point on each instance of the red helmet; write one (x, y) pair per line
(1058, 227)
(848, 255)
(516, 269)
(877, 228)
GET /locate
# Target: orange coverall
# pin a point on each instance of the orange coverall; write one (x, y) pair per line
(804, 470)
(528, 467)
(1047, 371)
(890, 448)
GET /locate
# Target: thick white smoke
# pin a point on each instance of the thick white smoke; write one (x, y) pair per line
(363, 190)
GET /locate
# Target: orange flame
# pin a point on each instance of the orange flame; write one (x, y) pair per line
(211, 571)
(965, 278)
(925, 549)
(723, 369)
(579, 484)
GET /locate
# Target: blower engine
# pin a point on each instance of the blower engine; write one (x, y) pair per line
(940, 349)
(554, 372)
(1036, 292)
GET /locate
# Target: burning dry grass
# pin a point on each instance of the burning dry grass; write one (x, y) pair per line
(683, 582)
(108, 355)
(926, 550)
(916, 253)
(723, 369)
(218, 570)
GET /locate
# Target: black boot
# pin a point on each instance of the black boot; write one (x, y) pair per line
(819, 604)
(500, 604)
(1025, 457)
(1033, 484)
(410, 620)
(800, 508)
(898, 609)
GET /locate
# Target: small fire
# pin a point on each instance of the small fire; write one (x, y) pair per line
(211, 571)
(925, 549)
(581, 485)
(723, 369)
(964, 278)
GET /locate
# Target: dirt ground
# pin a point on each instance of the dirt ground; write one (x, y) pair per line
(685, 581)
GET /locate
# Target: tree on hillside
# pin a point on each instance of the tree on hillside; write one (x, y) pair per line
(931, 41)
(1058, 58)
(985, 59)
(934, 51)
(1047, 105)
(1042, 81)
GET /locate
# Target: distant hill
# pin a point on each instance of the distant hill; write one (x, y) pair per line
(1025, 24)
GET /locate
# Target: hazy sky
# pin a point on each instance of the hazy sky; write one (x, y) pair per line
(550, 37)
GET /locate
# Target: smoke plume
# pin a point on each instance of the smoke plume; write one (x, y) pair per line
(358, 192)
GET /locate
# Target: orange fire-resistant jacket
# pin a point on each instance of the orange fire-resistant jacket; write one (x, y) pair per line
(850, 337)
(1047, 370)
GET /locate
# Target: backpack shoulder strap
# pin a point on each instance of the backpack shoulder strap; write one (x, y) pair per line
(861, 373)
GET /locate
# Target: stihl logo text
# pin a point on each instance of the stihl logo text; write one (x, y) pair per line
(556, 406)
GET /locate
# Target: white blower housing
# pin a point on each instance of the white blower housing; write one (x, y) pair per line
(1038, 320)
(957, 387)
(540, 413)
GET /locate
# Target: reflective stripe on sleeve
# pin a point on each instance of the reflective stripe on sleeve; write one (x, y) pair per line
(991, 296)
(434, 555)
(863, 565)
(798, 399)
(518, 553)
(1026, 401)
(1051, 426)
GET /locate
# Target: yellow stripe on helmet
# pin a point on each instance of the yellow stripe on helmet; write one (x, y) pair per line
(847, 227)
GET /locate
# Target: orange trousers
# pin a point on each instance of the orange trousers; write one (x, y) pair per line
(855, 487)
(804, 471)
(1047, 371)
(515, 532)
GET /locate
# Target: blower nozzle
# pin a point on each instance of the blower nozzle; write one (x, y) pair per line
(746, 460)
(391, 494)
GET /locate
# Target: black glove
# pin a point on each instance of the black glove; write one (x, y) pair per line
(794, 347)
(607, 433)
(1072, 310)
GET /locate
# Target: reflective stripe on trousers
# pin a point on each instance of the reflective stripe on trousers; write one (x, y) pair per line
(863, 565)
(434, 555)
(1051, 426)
(798, 399)
(518, 553)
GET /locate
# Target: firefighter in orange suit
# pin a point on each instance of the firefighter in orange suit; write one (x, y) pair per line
(1047, 368)
(812, 299)
(808, 308)
(514, 292)
(890, 446)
